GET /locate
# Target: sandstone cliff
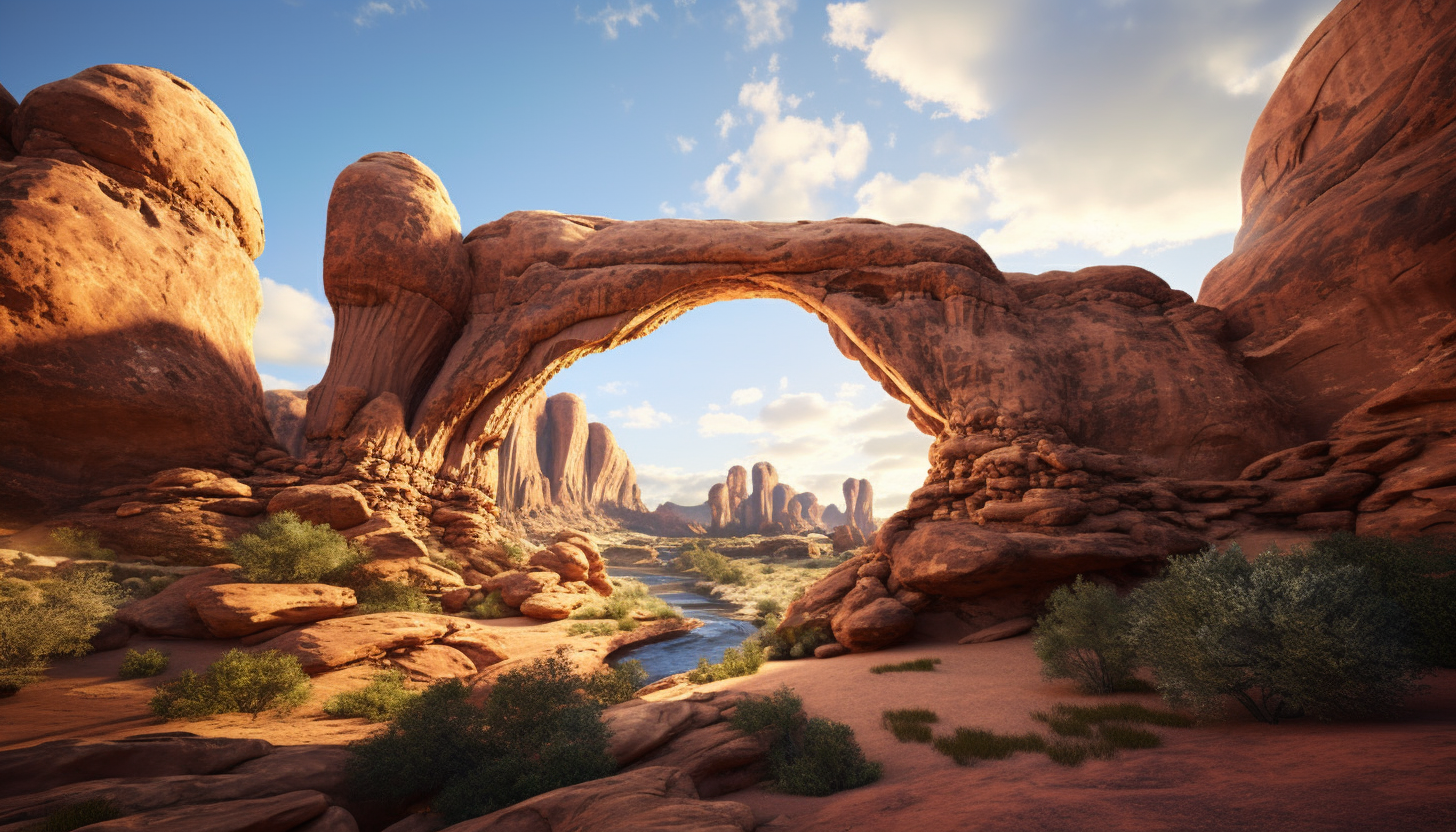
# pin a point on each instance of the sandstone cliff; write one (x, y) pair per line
(772, 507)
(130, 221)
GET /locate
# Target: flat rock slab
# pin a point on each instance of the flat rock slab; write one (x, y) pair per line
(267, 814)
(996, 632)
(639, 727)
(236, 610)
(660, 798)
(433, 662)
(37, 768)
(339, 506)
(340, 641)
(168, 613)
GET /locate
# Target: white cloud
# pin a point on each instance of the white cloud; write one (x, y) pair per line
(715, 423)
(849, 390)
(686, 144)
(950, 201)
(790, 161)
(766, 21)
(368, 13)
(773, 64)
(666, 209)
(747, 395)
(1125, 122)
(294, 327)
(612, 18)
(613, 388)
(726, 123)
(275, 383)
(783, 382)
(643, 416)
(661, 484)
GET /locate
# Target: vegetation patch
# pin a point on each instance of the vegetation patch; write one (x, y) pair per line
(967, 745)
(910, 724)
(54, 617)
(78, 544)
(792, 643)
(1078, 721)
(394, 596)
(814, 757)
(613, 685)
(592, 628)
(737, 661)
(143, 665)
(285, 549)
(538, 730)
(630, 598)
(715, 567)
(239, 682)
(912, 666)
(1084, 637)
(493, 606)
(379, 701)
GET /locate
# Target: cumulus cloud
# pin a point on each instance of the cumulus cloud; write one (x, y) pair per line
(665, 484)
(643, 416)
(849, 390)
(611, 19)
(368, 13)
(271, 382)
(294, 327)
(766, 21)
(1126, 121)
(949, 201)
(747, 395)
(790, 161)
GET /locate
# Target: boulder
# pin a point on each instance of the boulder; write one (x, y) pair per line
(718, 758)
(552, 606)
(433, 662)
(170, 612)
(515, 587)
(564, 559)
(235, 507)
(329, 645)
(638, 726)
(339, 506)
(50, 765)
(236, 610)
(659, 798)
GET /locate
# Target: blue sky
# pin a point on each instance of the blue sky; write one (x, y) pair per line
(1058, 133)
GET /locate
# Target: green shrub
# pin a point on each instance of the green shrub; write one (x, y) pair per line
(537, 731)
(740, 661)
(1072, 753)
(780, 644)
(494, 606)
(1418, 574)
(629, 596)
(393, 596)
(813, 757)
(612, 685)
(912, 666)
(1284, 636)
(968, 745)
(239, 682)
(48, 618)
(1083, 637)
(284, 549)
(911, 724)
(709, 564)
(143, 665)
(379, 701)
(593, 628)
(516, 554)
(76, 815)
(1078, 721)
(766, 607)
(78, 544)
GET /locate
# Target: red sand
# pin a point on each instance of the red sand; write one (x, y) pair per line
(1233, 774)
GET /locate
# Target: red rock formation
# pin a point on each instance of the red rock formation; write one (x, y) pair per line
(737, 484)
(287, 410)
(804, 512)
(721, 514)
(553, 457)
(758, 507)
(130, 222)
(783, 493)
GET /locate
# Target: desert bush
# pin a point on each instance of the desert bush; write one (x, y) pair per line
(766, 607)
(709, 564)
(1079, 721)
(1083, 637)
(629, 596)
(78, 543)
(379, 701)
(538, 730)
(284, 549)
(515, 553)
(239, 682)
(1284, 636)
(912, 666)
(143, 665)
(612, 685)
(910, 724)
(791, 643)
(77, 815)
(1418, 574)
(494, 606)
(813, 757)
(49, 618)
(393, 596)
(592, 628)
(744, 660)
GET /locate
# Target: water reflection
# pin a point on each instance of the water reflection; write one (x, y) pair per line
(719, 632)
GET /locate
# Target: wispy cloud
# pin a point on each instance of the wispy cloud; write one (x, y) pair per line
(643, 416)
(368, 13)
(747, 395)
(685, 144)
(613, 388)
(611, 18)
(766, 21)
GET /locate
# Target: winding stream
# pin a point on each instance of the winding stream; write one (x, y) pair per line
(720, 629)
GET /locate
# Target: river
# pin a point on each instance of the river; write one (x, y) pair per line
(720, 629)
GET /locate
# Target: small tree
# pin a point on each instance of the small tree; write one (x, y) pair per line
(49, 618)
(239, 682)
(1083, 637)
(1284, 636)
(285, 549)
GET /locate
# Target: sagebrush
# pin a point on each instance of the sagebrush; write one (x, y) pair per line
(239, 682)
(44, 619)
(285, 549)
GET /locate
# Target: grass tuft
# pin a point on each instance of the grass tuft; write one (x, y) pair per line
(968, 745)
(915, 666)
(910, 724)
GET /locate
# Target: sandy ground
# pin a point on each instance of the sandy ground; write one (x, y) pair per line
(1232, 774)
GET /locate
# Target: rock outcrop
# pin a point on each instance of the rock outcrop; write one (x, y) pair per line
(130, 220)
(859, 506)
(553, 458)
(772, 507)
(287, 410)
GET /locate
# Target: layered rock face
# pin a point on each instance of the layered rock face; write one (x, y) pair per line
(859, 506)
(130, 220)
(552, 457)
(772, 507)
